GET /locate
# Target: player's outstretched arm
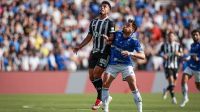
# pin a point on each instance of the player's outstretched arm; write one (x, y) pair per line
(139, 55)
(83, 43)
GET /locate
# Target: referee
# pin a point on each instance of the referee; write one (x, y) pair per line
(101, 32)
(171, 52)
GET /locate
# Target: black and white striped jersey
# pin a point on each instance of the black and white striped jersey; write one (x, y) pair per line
(98, 28)
(170, 49)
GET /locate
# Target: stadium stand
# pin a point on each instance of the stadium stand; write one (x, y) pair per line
(39, 34)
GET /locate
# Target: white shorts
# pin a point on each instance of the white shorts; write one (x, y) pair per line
(114, 70)
(191, 72)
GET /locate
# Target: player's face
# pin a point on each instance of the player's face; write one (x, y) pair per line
(171, 37)
(196, 36)
(104, 9)
(128, 28)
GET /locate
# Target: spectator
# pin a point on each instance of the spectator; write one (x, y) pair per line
(34, 30)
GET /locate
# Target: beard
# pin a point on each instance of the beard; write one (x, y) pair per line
(100, 13)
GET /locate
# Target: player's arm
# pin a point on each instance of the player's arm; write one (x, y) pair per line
(161, 53)
(139, 52)
(111, 29)
(194, 55)
(109, 39)
(86, 40)
(179, 52)
(83, 43)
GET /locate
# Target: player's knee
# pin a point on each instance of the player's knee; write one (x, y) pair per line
(98, 72)
(91, 78)
(183, 81)
(105, 85)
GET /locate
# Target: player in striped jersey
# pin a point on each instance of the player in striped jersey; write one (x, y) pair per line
(99, 55)
(171, 52)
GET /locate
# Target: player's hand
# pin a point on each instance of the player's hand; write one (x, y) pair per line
(76, 49)
(125, 53)
(165, 56)
(108, 41)
(105, 37)
(177, 53)
(195, 57)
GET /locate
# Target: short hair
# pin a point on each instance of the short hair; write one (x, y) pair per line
(169, 33)
(195, 30)
(133, 24)
(107, 3)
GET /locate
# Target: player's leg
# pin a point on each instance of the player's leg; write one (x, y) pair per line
(93, 59)
(135, 92)
(186, 76)
(97, 82)
(91, 76)
(109, 76)
(184, 85)
(197, 79)
(129, 75)
(106, 98)
(98, 71)
(166, 89)
(171, 88)
(173, 84)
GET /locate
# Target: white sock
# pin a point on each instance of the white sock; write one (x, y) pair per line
(185, 91)
(105, 95)
(104, 98)
(137, 100)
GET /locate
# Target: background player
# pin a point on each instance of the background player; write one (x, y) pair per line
(99, 56)
(122, 51)
(171, 52)
(193, 66)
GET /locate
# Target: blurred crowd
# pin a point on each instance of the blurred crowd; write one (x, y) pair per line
(40, 34)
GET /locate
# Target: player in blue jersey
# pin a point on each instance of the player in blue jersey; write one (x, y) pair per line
(193, 67)
(124, 48)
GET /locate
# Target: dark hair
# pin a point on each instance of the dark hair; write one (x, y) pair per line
(107, 3)
(195, 30)
(133, 24)
(171, 32)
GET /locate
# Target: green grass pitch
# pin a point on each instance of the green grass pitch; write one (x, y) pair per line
(82, 103)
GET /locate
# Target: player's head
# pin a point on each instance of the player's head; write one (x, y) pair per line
(130, 26)
(196, 35)
(171, 36)
(105, 7)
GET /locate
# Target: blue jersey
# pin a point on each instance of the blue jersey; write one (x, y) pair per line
(195, 65)
(121, 44)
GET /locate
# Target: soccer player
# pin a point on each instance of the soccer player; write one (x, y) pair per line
(193, 67)
(124, 48)
(171, 52)
(99, 55)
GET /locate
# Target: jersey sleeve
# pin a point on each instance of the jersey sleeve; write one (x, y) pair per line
(137, 46)
(192, 50)
(90, 28)
(161, 51)
(180, 49)
(111, 27)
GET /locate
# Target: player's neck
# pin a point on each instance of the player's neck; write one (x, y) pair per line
(103, 16)
(126, 35)
(198, 41)
(171, 42)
